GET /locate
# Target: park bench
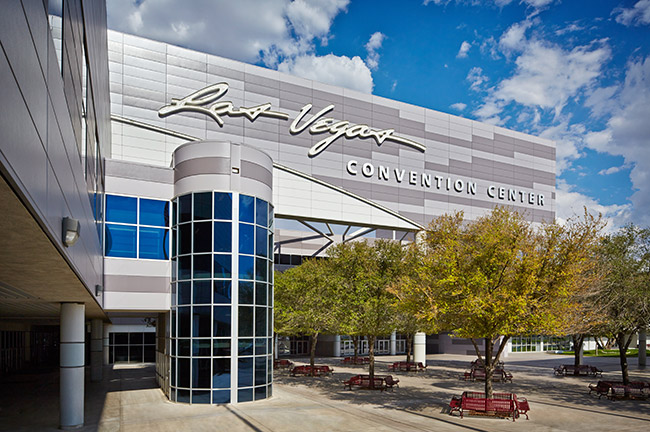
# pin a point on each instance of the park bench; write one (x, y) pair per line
(391, 382)
(358, 361)
(634, 390)
(282, 364)
(601, 389)
(617, 390)
(478, 373)
(306, 370)
(407, 367)
(501, 405)
(363, 381)
(581, 370)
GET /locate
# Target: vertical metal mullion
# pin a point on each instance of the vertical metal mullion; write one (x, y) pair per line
(234, 311)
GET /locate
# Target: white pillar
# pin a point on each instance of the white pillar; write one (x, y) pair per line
(642, 346)
(393, 343)
(71, 398)
(337, 346)
(107, 331)
(96, 349)
(420, 348)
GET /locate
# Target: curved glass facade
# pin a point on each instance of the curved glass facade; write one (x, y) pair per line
(222, 293)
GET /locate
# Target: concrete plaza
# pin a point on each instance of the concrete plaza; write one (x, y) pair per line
(128, 400)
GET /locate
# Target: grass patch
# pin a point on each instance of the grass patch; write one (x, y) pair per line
(601, 353)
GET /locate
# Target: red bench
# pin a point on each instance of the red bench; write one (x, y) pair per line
(617, 390)
(407, 367)
(581, 370)
(478, 373)
(501, 405)
(282, 364)
(358, 361)
(307, 370)
(363, 381)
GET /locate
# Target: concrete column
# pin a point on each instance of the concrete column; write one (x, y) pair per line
(96, 349)
(71, 398)
(337, 346)
(642, 346)
(420, 348)
(393, 343)
(106, 331)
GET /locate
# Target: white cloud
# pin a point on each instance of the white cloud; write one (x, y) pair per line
(246, 30)
(464, 48)
(570, 202)
(312, 19)
(599, 101)
(573, 27)
(514, 38)
(611, 170)
(569, 139)
(546, 75)
(343, 71)
(458, 106)
(637, 15)
(372, 46)
(281, 34)
(628, 134)
(476, 78)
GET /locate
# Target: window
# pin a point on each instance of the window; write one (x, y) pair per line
(132, 347)
(136, 228)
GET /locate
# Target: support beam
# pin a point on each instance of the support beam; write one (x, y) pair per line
(96, 349)
(337, 346)
(393, 343)
(420, 348)
(643, 342)
(71, 398)
(106, 347)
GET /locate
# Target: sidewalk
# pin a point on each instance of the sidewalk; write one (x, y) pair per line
(128, 400)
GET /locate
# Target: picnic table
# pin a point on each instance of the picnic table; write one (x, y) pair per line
(381, 382)
(617, 390)
(581, 370)
(358, 361)
(501, 405)
(407, 367)
(319, 370)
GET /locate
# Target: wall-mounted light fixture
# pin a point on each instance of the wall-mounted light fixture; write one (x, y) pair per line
(71, 229)
(98, 290)
(235, 170)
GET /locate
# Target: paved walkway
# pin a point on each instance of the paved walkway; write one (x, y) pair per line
(128, 400)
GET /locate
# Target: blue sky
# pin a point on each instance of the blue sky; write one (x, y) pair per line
(577, 72)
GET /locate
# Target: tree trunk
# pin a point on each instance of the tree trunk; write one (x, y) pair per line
(623, 342)
(577, 350)
(355, 343)
(489, 367)
(409, 346)
(312, 354)
(599, 343)
(371, 357)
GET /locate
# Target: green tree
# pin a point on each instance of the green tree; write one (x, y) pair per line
(365, 272)
(496, 276)
(304, 302)
(625, 295)
(409, 318)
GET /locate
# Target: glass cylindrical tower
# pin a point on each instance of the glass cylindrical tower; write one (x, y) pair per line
(221, 323)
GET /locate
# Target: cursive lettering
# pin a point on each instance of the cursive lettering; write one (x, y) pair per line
(200, 102)
(206, 101)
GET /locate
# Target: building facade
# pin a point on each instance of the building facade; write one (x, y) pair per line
(158, 187)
